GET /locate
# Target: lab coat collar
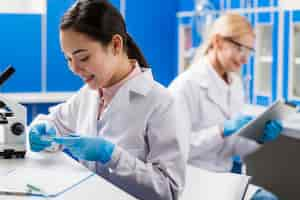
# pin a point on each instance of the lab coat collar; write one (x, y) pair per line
(217, 89)
(205, 75)
(142, 83)
(139, 85)
(199, 74)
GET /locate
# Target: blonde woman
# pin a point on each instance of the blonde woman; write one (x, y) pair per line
(211, 98)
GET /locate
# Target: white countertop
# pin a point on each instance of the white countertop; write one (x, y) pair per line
(39, 97)
(94, 187)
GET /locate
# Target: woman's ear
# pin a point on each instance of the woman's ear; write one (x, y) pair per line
(217, 42)
(117, 44)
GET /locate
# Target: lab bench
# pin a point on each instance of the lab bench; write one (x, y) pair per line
(92, 187)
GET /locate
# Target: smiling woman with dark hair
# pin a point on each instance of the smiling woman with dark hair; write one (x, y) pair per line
(121, 124)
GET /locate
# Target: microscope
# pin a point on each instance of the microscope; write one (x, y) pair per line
(12, 124)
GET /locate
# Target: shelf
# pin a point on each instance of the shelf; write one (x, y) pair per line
(297, 60)
(266, 59)
(262, 77)
(262, 93)
(295, 91)
(23, 6)
(294, 96)
(289, 4)
(46, 97)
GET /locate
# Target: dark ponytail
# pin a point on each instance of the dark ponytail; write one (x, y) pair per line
(100, 21)
(134, 52)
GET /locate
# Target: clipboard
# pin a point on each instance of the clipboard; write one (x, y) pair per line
(279, 110)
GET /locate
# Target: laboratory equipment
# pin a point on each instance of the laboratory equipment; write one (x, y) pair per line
(12, 124)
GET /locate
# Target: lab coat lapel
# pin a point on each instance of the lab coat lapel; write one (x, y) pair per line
(139, 85)
(118, 102)
(142, 84)
(217, 96)
(215, 93)
(236, 100)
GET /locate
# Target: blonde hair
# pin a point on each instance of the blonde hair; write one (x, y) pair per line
(228, 25)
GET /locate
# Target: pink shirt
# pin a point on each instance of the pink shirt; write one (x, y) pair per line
(106, 94)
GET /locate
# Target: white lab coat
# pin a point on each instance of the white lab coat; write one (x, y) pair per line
(151, 149)
(206, 101)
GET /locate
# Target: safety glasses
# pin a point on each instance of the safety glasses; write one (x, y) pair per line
(245, 50)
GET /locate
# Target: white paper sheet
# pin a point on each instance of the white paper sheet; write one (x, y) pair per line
(46, 172)
(5, 170)
(206, 185)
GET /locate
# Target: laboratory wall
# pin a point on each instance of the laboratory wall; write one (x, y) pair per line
(22, 44)
(273, 70)
(30, 42)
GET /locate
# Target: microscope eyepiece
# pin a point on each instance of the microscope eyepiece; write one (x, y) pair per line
(6, 74)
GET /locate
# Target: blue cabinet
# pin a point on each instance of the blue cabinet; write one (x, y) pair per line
(236, 4)
(264, 3)
(265, 62)
(154, 29)
(116, 3)
(185, 5)
(59, 77)
(291, 80)
(21, 47)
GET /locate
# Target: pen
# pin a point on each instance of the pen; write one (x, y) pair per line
(34, 188)
(15, 193)
(41, 192)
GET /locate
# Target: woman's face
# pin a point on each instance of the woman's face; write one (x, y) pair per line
(88, 59)
(234, 52)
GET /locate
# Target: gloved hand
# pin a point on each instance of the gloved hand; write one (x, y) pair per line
(263, 194)
(237, 164)
(39, 135)
(87, 148)
(271, 131)
(233, 125)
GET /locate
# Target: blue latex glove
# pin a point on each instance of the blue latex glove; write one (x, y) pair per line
(233, 125)
(87, 148)
(40, 135)
(263, 194)
(237, 164)
(271, 131)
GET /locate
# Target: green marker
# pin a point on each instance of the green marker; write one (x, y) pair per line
(36, 189)
(33, 188)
